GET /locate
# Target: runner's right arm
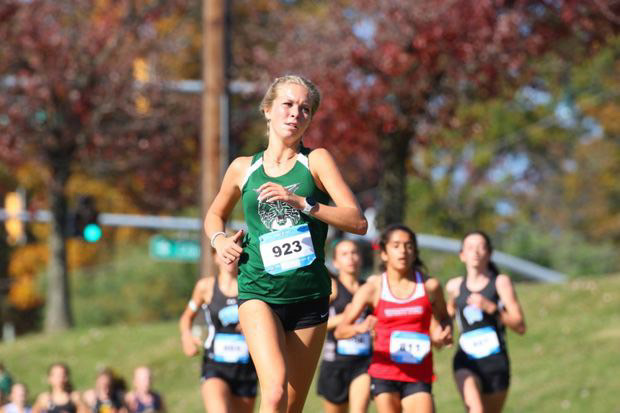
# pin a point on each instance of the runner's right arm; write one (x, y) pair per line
(230, 191)
(452, 291)
(365, 296)
(189, 342)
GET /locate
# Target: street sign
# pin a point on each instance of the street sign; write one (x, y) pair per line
(163, 248)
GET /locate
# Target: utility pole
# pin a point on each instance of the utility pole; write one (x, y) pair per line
(214, 112)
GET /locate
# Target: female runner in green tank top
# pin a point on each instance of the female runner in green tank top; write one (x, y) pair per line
(283, 283)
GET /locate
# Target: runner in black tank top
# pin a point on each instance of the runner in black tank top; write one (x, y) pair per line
(482, 345)
(483, 303)
(343, 380)
(61, 398)
(345, 350)
(68, 407)
(153, 405)
(106, 396)
(226, 355)
(229, 382)
(142, 398)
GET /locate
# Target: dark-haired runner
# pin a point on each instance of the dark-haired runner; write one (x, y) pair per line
(405, 300)
(483, 302)
(61, 398)
(228, 375)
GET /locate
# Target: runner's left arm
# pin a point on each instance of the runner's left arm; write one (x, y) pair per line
(452, 291)
(510, 311)
(346, 215)
(189, 342)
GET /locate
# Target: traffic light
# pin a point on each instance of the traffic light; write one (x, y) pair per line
(85, 220)
(141, 71)
(142, 74)
(14, 205)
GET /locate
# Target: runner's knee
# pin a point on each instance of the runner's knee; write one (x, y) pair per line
(273, 395)
(474, 407)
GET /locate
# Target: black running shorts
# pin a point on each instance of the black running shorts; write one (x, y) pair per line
(335, 377)
(403, 388)
(241, 378)
(295, 316)
(492, 371)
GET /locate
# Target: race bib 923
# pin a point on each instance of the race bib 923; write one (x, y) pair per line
(287, 249)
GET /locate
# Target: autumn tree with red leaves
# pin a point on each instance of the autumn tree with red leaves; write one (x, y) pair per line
(391, 71)
(71, 101)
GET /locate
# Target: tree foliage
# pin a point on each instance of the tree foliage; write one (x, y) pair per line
(393, 71)
(536, 170)
(71, 101)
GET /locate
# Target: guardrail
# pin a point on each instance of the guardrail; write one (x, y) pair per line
(520, 266)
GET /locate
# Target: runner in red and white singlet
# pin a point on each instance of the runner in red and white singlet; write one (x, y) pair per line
(402, 333)
(409, 317)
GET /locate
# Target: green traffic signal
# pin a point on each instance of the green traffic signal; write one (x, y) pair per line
(92, 233)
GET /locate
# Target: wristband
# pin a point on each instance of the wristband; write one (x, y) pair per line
(192, 306)
(215, 236)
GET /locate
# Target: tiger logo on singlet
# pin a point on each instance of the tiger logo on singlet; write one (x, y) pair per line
(278, 215)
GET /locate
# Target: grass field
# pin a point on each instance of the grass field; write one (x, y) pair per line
(568, 361)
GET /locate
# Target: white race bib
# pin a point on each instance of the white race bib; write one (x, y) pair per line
(359, 345)
(230, 348)
(409, 347)
(287, 249)
(480, 343)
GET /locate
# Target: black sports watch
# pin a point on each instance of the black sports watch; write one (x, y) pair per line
(310, 204)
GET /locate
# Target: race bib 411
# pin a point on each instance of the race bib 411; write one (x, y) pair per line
(409, 347)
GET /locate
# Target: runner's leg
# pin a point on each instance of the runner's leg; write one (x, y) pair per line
(264, 334)
(469, 387)
(494, 402)
(359, 394)
(388, 403)
(420, 402)
(303, 349)
(216, 395)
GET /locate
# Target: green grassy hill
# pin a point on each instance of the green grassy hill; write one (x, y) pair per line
(568, 360)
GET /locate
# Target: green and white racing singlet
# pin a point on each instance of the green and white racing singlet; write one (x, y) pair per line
(283, 258)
